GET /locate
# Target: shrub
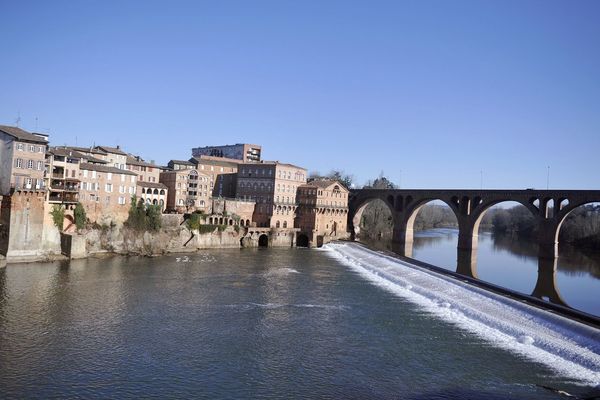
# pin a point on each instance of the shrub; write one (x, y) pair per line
(58, 216)
(143, 217)
(80, 217)
(193, 222)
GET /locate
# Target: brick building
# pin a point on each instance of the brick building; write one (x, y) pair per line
(222, 172)
(187, 189)
(106, 192)
(322, 212)
(272, 185)
(62, 175)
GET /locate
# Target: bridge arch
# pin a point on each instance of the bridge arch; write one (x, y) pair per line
(484, 207)
(413, 210)
(563, 213)
(357, 207)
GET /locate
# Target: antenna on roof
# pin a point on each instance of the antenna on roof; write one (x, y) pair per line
(18, 120)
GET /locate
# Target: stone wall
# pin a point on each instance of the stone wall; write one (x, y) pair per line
(22, 216)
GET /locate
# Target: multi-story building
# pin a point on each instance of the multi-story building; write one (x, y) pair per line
(147, 172)
(62, 175)
(187, 190)
(153, 193)
(106, 192)
(113, 155)
(322, 212)
(222, 172)
(241, 151)
(272, 185)
(22, 159)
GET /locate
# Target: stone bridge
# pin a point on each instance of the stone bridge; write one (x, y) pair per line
(548, 207)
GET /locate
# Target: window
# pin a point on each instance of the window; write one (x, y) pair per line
(31, 148)
(109, 176)
(121, 200)
(85, 173)
(122, 190)
(83, 185)
(131, 190)
(108, 188)
(40, 149)
(122, 177)
(19, 163)
(29, 164)
(20, 146)
(132, 178)
(94, 174)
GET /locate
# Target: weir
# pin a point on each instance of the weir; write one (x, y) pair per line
(549, 209)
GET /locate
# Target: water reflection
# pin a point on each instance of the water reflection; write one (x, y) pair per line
(572, 279)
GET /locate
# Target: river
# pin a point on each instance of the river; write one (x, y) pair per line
(275, 324)
(513, 263)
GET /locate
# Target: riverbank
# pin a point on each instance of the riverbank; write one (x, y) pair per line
(174, 236)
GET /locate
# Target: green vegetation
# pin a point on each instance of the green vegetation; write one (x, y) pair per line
(80, 217)
(581, 228)
(58, 216)
(143, 217)
(345, 179)
(194, 222)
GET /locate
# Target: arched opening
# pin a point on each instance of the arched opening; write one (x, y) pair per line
(434, 228)
(241, 222)
(302, 240)
(277, 224)
(577, 274)
(155, 191)
(507, 246)
(285, 224)
(263, 241)
(155, 202)
(247, 222)
(162, 192)
(373, 224)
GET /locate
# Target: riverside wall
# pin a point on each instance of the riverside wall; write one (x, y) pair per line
(46, 243)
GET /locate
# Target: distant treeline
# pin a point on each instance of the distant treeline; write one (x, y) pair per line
(581, 228)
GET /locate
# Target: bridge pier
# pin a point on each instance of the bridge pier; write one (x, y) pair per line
(466, 262)
(402, 240)
(548, 237)
(545, 286)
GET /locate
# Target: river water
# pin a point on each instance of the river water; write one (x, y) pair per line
(336, 323)
(513, 263)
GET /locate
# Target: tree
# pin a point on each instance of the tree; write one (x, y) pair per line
(153, 217)
(58, 216)
(80, 216)
(339, 175)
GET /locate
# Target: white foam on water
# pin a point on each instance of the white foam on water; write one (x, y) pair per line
(282, 271)
(570, 348)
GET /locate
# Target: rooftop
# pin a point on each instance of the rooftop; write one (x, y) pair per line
(23, 135)
(114, 150)
(105, 168)
(153, 185)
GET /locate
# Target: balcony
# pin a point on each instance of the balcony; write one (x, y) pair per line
(63, 187)
(66, 198)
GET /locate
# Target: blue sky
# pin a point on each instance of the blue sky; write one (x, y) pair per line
(436, 94)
